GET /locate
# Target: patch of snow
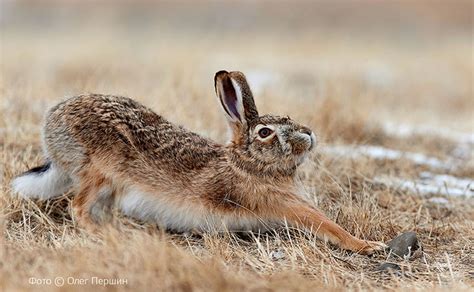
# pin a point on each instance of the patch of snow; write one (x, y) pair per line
(438, 200)
(277, 254)
(405, 130)
(433, 184)
(378, 152)
(464, 150)
(427, 183)
(448, 180)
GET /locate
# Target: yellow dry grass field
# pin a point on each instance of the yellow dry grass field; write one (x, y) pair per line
(387, 87)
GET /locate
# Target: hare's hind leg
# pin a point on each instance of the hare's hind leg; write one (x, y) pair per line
(92, 206)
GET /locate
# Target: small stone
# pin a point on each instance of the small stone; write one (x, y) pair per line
(389, 267)
(404, 244)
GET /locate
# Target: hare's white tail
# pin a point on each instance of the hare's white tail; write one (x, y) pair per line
(42, 182)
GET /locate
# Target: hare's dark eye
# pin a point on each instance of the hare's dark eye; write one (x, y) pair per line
(265, 132)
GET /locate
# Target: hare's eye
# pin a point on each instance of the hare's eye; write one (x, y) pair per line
(265, 132)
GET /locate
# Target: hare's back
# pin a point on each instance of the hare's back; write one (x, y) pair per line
(123, 129)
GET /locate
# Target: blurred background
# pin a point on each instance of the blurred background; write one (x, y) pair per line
(340, 66)
(386, 85)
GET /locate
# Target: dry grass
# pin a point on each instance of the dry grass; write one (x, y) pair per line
(345, 79)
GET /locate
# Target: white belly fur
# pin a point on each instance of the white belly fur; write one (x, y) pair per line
(185, 216)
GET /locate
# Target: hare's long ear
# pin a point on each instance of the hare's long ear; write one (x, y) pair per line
(237, 100)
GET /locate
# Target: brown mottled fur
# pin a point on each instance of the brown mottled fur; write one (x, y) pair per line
(107, 143)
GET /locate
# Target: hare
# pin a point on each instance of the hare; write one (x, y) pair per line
(116, 153)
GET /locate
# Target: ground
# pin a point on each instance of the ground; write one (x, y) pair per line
(386, 87)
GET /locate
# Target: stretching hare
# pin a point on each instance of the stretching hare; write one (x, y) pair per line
(118, 153)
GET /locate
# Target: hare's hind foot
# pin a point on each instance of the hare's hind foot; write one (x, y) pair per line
(92, 205)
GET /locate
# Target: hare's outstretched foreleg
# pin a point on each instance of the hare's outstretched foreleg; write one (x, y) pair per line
(303, 215)
(93, 203)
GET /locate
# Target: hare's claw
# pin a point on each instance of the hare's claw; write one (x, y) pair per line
(370, 247)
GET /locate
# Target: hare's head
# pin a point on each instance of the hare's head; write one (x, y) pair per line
(269, 141)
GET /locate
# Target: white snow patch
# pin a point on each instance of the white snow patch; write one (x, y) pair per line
(378, 152)
(439, 200)
(429, 183)
(277, 254)
(405, 130)
(444, 179)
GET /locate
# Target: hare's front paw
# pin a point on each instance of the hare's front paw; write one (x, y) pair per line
(370, 247)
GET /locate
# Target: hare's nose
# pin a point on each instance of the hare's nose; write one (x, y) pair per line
(306, 131)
